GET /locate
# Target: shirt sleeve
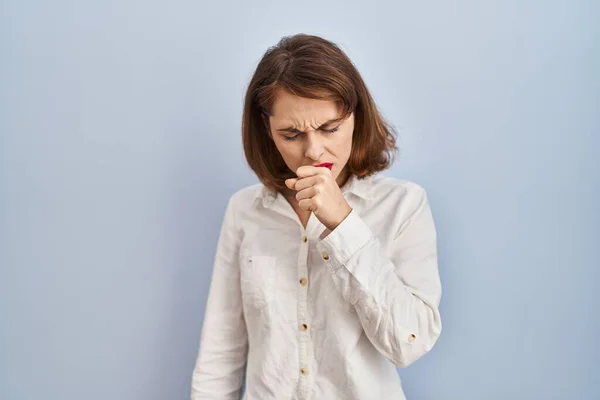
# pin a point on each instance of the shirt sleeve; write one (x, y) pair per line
(396, 297)
(219, 368)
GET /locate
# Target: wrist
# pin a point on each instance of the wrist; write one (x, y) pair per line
(338, 222)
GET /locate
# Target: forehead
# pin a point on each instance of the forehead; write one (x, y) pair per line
(287, 106)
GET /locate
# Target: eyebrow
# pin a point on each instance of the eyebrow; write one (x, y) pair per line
(291, 129)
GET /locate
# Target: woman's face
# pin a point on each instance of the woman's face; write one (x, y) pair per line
(303, 135)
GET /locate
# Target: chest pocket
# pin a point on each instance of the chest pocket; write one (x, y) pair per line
(257, 278)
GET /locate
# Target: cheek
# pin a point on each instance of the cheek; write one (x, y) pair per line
(288, 151)
(344, 144)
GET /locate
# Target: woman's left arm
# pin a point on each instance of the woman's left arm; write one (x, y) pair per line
(396, 298)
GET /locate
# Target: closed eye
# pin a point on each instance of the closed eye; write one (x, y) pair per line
(328, 131)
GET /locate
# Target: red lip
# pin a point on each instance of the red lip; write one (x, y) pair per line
(326, 165)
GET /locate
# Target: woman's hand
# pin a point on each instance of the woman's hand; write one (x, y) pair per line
(318, 192)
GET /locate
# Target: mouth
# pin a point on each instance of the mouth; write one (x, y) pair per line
(326, 165)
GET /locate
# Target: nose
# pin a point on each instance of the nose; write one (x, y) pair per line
(314, 147)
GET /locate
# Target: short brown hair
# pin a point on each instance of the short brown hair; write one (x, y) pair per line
(312, 67)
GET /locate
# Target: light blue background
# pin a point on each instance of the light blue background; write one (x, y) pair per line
(120, 145)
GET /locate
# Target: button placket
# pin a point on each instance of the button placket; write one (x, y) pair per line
(303, 336)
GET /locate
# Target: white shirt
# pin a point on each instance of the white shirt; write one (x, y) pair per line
(318, 314)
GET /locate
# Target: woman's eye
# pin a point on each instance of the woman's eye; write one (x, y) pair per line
(290, 138)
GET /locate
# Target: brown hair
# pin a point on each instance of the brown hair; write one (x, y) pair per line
(312, 67)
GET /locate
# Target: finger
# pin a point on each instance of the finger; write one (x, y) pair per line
(306, 205)
(309, 170)
(290, 183)
(307, 193)
(304, 183)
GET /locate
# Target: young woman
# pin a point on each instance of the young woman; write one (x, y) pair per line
(325, 276)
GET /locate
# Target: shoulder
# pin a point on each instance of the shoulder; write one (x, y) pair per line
(399, 200)
(245, 197)
(397, 203)
(399, 190)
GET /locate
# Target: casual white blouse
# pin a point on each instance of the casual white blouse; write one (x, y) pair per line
(318, 314)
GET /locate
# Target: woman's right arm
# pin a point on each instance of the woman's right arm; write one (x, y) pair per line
(219, 370)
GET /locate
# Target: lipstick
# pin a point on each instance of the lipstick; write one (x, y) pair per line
(326, 165)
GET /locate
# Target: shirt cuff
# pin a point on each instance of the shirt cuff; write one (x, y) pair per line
(347, 238)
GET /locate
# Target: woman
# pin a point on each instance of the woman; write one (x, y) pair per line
(325, 276)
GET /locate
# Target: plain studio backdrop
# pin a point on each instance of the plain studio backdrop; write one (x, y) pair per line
(120, 145)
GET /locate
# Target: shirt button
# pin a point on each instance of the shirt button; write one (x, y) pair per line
(303, 327)
(303, 281)
(325, 255)
(411, 338)
(304, 239)
(303, 371)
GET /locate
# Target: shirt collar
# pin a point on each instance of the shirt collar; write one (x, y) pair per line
(359, 187)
